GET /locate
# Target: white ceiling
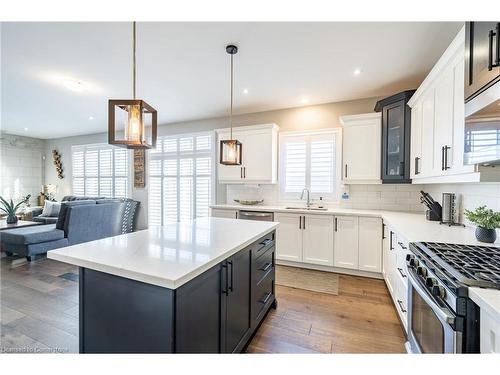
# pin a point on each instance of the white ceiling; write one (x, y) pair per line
(183, 70)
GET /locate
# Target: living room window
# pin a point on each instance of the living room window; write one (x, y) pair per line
(181, 178)
(310, 160)
(100, 170)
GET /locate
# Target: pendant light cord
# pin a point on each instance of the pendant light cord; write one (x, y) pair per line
(133, 60)
(231, 111)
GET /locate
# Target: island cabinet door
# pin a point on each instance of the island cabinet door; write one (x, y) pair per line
(236, 302)
(199, 315)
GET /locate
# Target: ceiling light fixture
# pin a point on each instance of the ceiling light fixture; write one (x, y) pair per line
(356, 72)
(305, 100)
(245, 91)
(26, 129)
(140, 116)
(91, 118)
(230, 149)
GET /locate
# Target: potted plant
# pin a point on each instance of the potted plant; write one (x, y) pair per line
(11, 209)
(487, 221)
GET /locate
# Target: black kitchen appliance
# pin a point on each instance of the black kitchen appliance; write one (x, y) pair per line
(441, 316)
(434, 212)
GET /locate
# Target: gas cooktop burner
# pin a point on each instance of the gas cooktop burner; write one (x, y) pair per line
(470, 265)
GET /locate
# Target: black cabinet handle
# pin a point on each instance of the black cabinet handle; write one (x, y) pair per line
(266, 242)
(300, 222)
(446, 148)
(400, 303)
(402, 246)
(266, 298)
(241, 172)
(346, 171)
(401, 272)
(303, 222)
(383, 231)
(391, 246)
(224, 282)
(490, 49)
(266, 267)
(497, 60)
(442, 158)
(335, 224)
(231, 285)
(417, 159)
(244, 172)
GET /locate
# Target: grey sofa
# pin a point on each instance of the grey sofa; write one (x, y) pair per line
(78, 221)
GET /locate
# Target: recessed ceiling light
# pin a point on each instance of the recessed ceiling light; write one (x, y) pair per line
(74, 85)
(305, 100)
(91, 118)
(26, 129)
(356, 72)
(245, 91)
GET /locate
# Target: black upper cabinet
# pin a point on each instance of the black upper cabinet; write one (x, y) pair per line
(482, 51)
(396, 122)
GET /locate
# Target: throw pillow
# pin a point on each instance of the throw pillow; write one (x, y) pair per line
(51, 209)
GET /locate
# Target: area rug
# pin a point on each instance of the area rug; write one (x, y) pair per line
(300, 278)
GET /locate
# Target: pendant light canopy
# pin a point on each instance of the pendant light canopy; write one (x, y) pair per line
(132, 123)
(230, 149)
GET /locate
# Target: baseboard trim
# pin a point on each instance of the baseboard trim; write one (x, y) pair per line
(344, 271)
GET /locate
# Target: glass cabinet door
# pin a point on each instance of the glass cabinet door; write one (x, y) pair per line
(394, 140)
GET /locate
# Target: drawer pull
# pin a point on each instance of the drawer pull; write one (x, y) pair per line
(266, 242)
(401, 272)
(400, 303)
(266, 267)
(266, 298)
(402, 246)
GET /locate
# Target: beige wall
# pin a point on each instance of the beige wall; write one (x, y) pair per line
(302, 118)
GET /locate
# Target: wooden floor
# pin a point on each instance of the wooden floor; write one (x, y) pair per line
(39, 313)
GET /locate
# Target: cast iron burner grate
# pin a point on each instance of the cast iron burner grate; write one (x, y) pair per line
(470, 265)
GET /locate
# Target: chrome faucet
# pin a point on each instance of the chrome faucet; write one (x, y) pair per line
(308, 202)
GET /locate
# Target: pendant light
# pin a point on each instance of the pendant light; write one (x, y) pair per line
(133, 119)
(230, 149)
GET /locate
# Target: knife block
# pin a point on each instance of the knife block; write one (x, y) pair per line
(435, 213)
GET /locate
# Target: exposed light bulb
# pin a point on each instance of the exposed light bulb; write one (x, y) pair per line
(74, 85)
(356, 72)
(25, 129)
(91, 118)
(133, 131)
(245, 91)
(305, 100)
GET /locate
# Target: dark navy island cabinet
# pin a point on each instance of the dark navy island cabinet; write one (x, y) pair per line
(217, 312)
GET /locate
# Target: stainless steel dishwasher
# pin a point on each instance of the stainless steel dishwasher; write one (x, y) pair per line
(256, 215)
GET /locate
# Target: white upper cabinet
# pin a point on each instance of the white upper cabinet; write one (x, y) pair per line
(437, 128)
(259, 144)
(361, 148)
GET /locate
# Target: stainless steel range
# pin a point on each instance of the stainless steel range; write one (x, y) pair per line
(441, 316)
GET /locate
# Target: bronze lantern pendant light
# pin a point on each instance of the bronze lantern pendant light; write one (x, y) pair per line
(138, 117)
(230, 149)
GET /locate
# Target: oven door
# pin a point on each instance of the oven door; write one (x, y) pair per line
(429, 321)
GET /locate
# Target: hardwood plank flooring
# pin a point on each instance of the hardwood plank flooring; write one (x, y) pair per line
(39, 313)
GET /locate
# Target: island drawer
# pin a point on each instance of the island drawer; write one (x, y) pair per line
(263, 296)
(264, 243)
(263, 265)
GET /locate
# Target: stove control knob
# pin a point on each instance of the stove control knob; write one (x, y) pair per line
(438, 291)
(409, 257)
(414, 262)
(430, 282)
(421, 271)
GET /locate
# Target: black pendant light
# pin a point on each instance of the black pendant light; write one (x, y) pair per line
(138, 118)
(230, 149)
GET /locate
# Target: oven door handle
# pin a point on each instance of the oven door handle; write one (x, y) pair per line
(443, 314)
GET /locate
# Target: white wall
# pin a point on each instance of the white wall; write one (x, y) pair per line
(21, 167)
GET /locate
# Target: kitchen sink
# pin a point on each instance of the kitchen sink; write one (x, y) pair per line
(307, 208)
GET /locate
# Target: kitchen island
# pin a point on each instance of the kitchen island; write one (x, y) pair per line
(202, 286)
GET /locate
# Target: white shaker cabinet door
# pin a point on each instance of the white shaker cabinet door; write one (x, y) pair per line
(345, 252)
(370, 244)
(317, 241)
(289, 237)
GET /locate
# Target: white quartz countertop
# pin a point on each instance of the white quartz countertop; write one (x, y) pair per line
(487, 300)
(168, 256)
(413, 226)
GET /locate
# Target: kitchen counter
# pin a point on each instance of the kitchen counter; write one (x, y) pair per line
(167, 256)
(413, 226)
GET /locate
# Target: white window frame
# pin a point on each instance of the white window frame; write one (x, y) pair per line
(178, 155)
(294, 197)
(113, 176)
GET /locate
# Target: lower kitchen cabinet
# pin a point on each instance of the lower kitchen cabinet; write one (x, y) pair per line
(346, 242)
(358, 243)
(228, 214)
(305, 238)
(370, 245)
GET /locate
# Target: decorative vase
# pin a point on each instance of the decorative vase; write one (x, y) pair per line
(486, 235)
(11, 219)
